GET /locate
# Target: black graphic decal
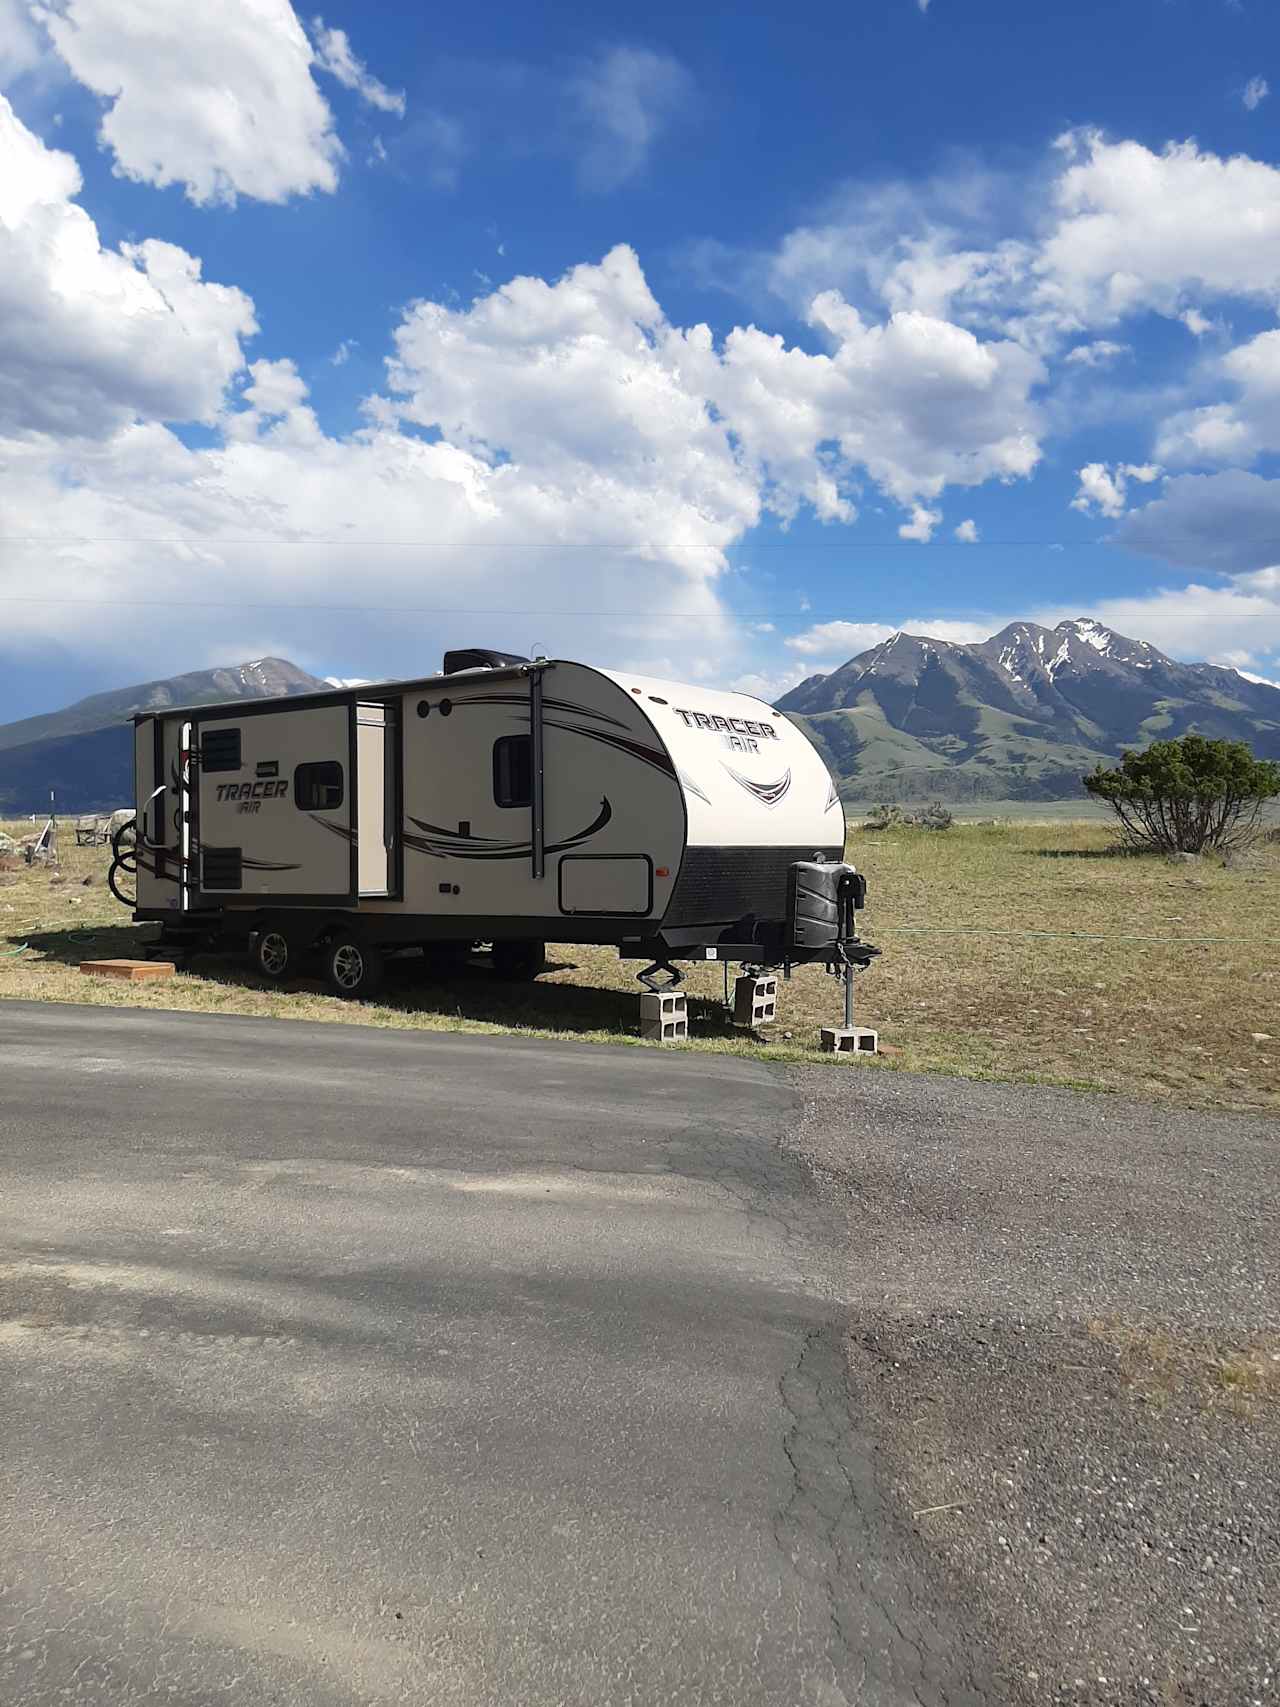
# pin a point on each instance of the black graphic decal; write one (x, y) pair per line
(448, 844)
(660, 760)
(343, 830)
(549, 704)
(767, 793)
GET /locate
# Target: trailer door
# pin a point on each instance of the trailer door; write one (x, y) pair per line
(377, 805)
(275, 806)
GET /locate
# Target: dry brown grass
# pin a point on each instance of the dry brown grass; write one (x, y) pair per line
(964, 985)
(1161, 1364)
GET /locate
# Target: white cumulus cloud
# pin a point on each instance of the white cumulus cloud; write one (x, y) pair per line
(1103, 231)
(1105, 488)
(915, 403)
(1136, 230)
(92, 337)
(1237, 431)
(921, 525)
(217, 98)
(556, 447)
(967, 532)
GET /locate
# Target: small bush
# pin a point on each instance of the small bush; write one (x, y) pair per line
(892, 817)
(1189, 796)
(885, 817)
(934, 817)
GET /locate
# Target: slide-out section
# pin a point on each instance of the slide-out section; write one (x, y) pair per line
(276, 813)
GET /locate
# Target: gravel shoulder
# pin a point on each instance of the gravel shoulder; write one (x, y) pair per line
(1065, 1342)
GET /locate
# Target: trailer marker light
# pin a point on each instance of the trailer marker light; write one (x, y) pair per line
(662, 871)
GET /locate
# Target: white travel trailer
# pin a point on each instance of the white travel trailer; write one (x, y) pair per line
(503, 801)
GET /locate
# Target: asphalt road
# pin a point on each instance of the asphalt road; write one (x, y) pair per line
(352, 1366)
(1064, 1338)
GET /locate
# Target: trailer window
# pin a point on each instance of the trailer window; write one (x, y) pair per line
(513, 770)
(318, 787)
(220, 750)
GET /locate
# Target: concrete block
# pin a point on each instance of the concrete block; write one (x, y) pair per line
(664, 1017)
(849, 1040)
(755, 1000)
(133, 971)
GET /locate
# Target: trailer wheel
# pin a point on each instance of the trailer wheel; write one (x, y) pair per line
(271, 952)
(519, 961)
(352, 968)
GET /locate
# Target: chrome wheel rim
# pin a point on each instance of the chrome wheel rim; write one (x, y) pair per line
(348, 966)
(273, 954)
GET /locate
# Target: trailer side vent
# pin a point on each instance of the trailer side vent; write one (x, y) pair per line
(220, 868)
(220, 750)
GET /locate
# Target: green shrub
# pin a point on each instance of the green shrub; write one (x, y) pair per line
(1191, 795)
(893, 817)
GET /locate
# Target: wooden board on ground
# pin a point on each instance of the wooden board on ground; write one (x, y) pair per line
(136, 971)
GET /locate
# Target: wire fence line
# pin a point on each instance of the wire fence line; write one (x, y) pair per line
(1069, 936)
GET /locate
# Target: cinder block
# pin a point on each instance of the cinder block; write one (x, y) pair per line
(664, 1017)
(755, 1000)
(133, 971)
(849, 1040)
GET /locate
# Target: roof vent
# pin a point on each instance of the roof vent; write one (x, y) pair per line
(479, 658)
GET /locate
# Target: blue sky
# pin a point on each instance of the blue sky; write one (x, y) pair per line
(717, 343)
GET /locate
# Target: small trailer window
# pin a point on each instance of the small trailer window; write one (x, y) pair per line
(512, 771)
(318, 787)
(220, 750)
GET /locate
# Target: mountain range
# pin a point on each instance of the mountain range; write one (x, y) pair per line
(1021, 716)
(84, 754)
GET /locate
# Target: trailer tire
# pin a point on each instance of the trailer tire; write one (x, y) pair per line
(273, 952)
(353, 968)
(519, 961)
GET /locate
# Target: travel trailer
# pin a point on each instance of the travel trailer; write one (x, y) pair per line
(505, 801)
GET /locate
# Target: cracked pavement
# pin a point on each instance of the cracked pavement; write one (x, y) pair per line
(341, 1365)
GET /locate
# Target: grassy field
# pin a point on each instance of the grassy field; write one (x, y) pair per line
(1012, 950)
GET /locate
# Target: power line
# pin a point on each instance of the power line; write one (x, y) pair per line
(839, 614)
(627, 545)
(445, 610)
